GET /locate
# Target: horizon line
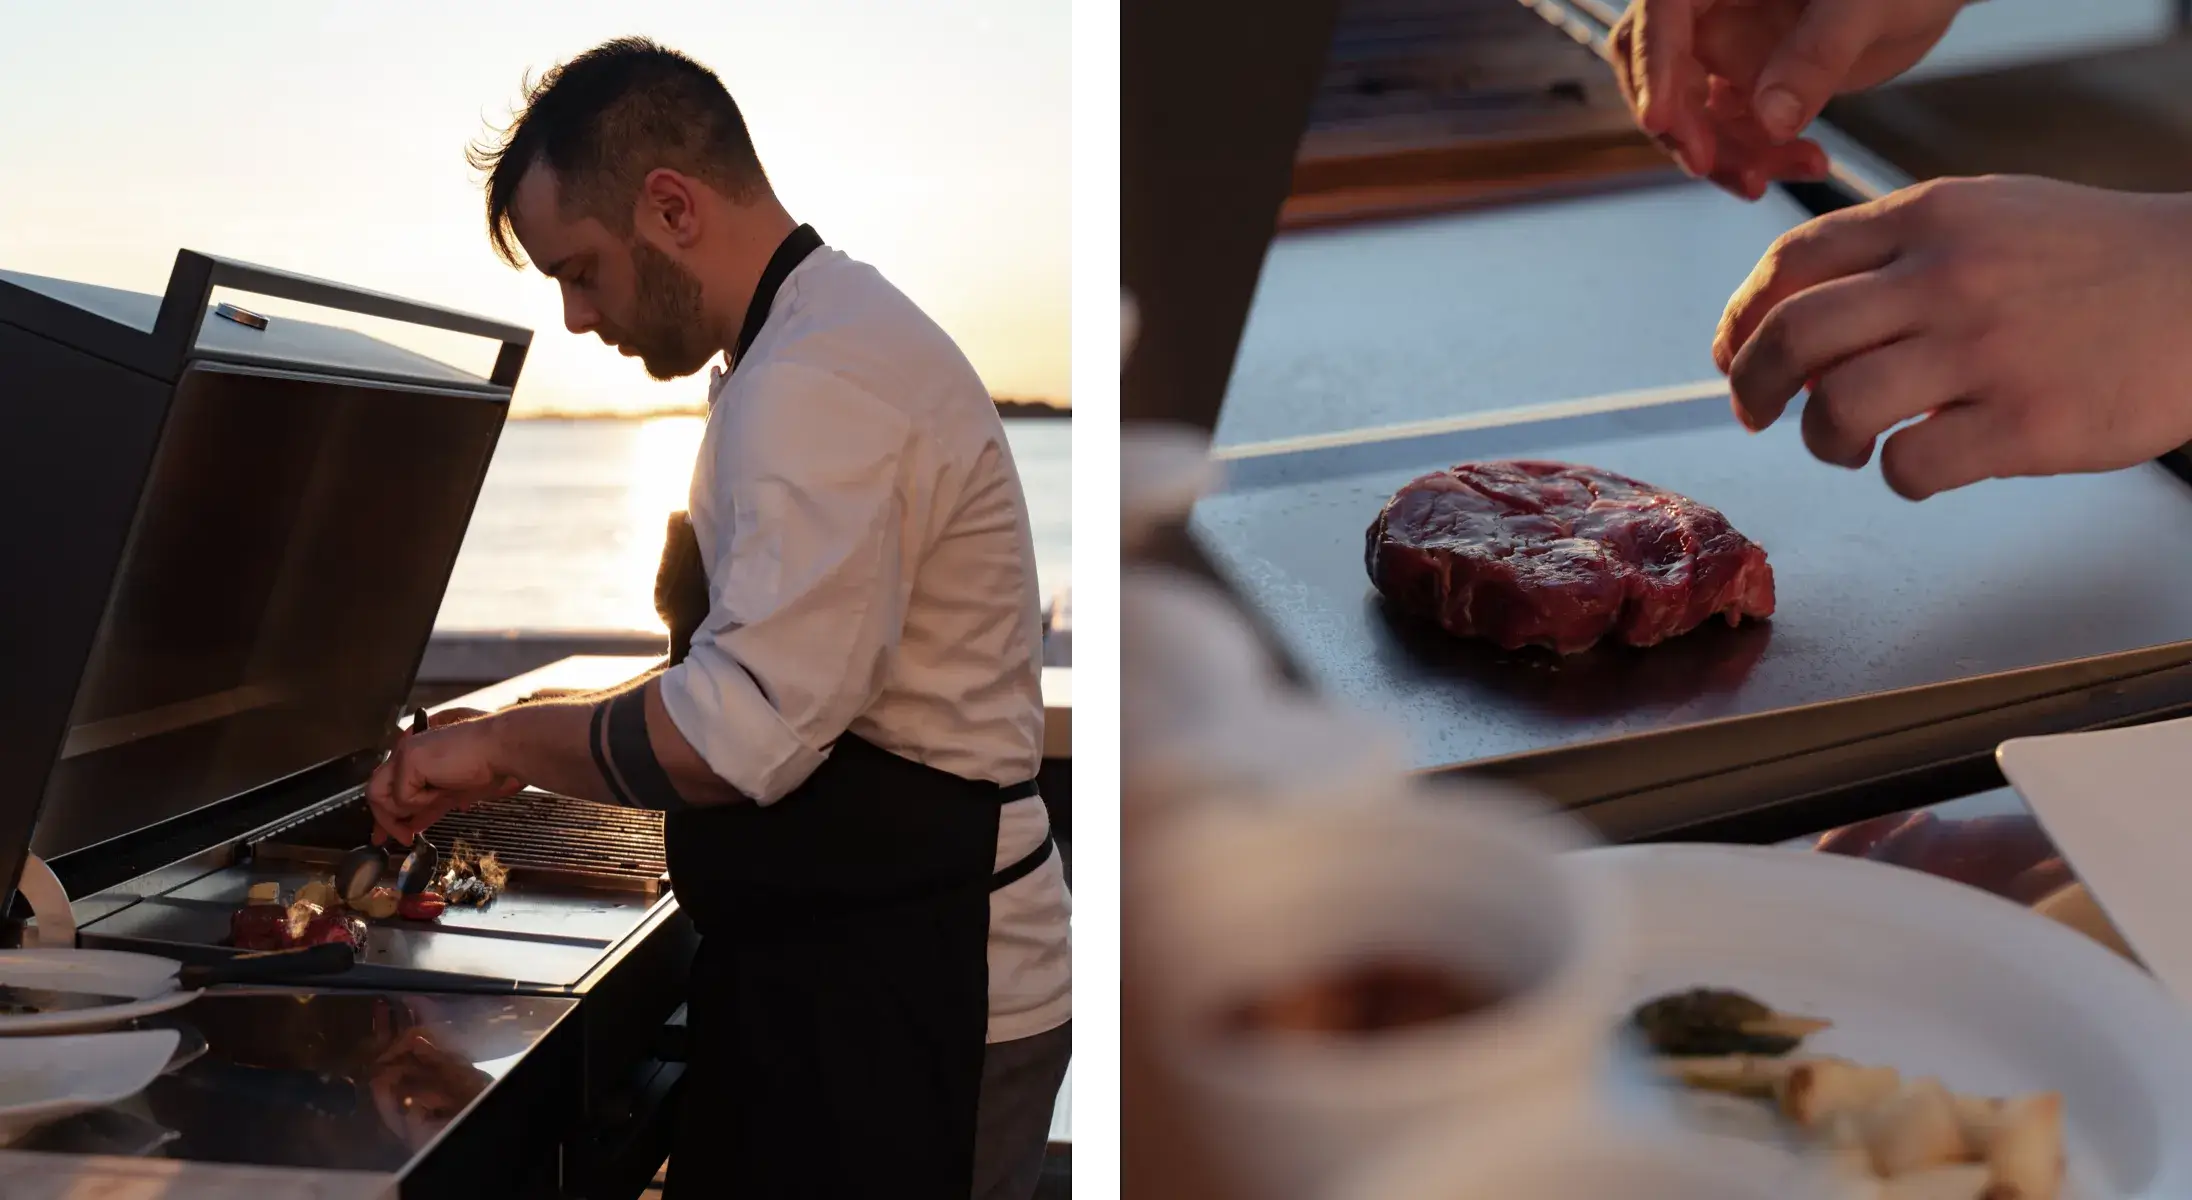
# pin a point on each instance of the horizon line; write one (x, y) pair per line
(1007, 405)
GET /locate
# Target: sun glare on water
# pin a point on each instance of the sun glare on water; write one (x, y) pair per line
(659, 473)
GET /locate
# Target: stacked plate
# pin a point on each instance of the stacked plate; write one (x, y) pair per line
(70, 994)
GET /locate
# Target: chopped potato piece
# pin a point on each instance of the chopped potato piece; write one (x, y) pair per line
(1740, 1074)
(1818, 1088)
(2026, 1153)
(1962, 1181)
(1914, 1130)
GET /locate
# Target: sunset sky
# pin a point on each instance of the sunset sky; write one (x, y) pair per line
(930, 139)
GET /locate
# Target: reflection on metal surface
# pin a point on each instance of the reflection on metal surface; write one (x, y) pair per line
(242, 316)
(94, 736)
(1605, 681)
(116, 1131)
(1427, 105)
(326, 1080)
(1520, 415)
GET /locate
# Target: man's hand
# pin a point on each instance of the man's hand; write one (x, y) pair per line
(1726, 85)
(2009, 855)
(2036, 327)
(431, 773)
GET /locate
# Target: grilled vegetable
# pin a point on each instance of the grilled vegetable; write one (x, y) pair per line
(379, 904)
(1711, 1022)
(425, 906)
(322, 893)
(470, 878)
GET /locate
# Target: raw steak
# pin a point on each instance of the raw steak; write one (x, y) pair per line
(1550, 554)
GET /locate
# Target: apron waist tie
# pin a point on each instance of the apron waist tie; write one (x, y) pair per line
(1025, 866)
(1027, 863)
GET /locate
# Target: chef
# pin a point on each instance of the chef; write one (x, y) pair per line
(1966, 329)
(846, 735)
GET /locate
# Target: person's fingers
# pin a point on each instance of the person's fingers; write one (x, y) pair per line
(1739, 181)
(1853, 403)
(1748, 173)
(1955, 446)
(1746, 159)
(1810, 332)
(437, 804)
(1909, 842)
(413, 781)
(2007, 842)
(1671, 86)
(1621, 56)
(380, 798)
(1811, 64)
(1859, 839)
(451, 716)
(1661, 33)
(2039, 881)
(1839, 244)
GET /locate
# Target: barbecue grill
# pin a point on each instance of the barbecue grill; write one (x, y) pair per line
(246, 524)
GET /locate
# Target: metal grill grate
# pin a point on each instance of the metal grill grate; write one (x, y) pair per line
(539, 837)
(1456, 70)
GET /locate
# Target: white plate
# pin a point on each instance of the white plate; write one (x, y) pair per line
(1933, 978)
(146, 978)
(2114, 803)
(44, 1079)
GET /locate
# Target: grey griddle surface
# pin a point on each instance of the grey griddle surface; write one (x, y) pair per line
(525, 939)
(1409, 320)
(1875, 594)
(285, 342)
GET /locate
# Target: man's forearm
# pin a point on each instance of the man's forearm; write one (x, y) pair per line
(548, 744)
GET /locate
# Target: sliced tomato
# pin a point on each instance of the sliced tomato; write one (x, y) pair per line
(425, 906)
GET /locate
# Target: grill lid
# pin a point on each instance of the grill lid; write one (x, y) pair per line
(239, 548)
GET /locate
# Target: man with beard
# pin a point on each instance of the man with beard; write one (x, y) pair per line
(845, 737)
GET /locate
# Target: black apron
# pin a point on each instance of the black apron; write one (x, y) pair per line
(840, 997)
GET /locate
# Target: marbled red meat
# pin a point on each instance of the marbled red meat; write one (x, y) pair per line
(259, 927)
(283, 927)
(1551, 554)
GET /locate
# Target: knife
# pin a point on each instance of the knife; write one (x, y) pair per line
(274, 966)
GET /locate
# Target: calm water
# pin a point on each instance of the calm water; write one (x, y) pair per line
(569, 526)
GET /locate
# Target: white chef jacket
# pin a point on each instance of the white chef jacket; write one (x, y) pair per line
(871, 569)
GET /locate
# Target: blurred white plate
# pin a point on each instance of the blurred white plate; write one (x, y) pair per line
(2115, 803)
(44, 1079)
(148, 979)
(1933, 978)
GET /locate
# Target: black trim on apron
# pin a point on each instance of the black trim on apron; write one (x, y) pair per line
(839, 1002)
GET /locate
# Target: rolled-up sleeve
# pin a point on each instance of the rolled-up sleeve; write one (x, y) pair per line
(808, 574)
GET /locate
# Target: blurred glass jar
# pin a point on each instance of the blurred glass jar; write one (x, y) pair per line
(1237, 911)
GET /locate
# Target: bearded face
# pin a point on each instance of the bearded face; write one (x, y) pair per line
(665, 331)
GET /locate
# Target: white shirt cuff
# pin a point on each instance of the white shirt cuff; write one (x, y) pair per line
(724, 716)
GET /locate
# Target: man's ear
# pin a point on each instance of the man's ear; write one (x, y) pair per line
(668, 207)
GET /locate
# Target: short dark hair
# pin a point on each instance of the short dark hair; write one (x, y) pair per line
(603, 120)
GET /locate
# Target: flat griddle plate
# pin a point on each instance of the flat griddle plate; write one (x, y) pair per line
(530, 938)
(2011, 589)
